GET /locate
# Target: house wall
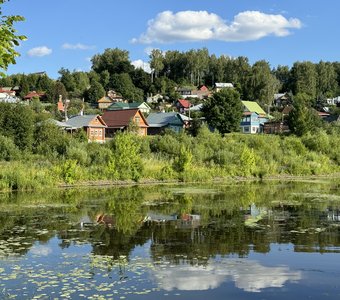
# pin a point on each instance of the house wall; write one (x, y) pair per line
(95, 134)
(96, 131)
(250, 124)
(104, 105)
(139, 120)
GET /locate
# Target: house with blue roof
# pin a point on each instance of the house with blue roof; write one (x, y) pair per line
(160, 121)
(93, 125)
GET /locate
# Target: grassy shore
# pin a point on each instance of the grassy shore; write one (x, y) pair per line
(208, 157)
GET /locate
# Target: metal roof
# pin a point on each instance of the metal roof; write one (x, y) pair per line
(163, 119)
(82, 121)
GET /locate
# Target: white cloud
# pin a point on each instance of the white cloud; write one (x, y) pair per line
(39, 51)
(41, 250)
(77, 46)
(247, 275)
(148, 50)
(142, 64)
(201, 26)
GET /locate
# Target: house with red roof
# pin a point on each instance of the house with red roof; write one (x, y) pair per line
(8, 96)
(33, 94)
(182, 105)
(120, 120)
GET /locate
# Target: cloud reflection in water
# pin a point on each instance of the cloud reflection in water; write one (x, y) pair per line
(248, 275)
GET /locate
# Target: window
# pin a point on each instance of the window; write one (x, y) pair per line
(137, 120)
(246, 129)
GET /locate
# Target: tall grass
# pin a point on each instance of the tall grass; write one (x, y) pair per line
(169, 157)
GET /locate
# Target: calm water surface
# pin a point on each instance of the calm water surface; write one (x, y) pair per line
(273, 240)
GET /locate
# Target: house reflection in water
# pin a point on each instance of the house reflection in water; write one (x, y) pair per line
(333, 215)
(179, 221)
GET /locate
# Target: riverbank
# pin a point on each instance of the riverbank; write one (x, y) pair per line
(171, 158)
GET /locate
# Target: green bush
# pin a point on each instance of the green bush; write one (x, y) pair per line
(98, 154)
(68, 171)
(8, 150)
(127, 159)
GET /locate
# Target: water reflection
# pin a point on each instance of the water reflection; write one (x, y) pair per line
(247, 275)
(191, 239)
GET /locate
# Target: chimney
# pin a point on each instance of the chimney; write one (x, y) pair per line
(81, 113)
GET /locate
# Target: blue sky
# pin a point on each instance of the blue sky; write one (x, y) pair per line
(67, 33)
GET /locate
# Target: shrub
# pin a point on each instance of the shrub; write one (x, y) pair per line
(68, 171)
(183, 161)
(126, 150)
(8, 150)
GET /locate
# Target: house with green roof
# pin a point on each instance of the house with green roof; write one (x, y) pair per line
(142, 106)
(253, 118)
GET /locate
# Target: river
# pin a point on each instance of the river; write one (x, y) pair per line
(263, 240)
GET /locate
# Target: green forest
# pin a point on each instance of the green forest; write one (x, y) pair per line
(170, 69)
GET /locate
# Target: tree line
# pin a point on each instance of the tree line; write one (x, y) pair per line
(113, 69)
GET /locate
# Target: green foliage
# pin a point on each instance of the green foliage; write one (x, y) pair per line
(123, 84)
(261, 84)
(183, 161)
(50, 140)
(77, 153)
(115, 61)
(68, 171)
(304, 79)
(247, 162)
(56, 90)
(126, 150)
(24, 176)
(302, 118)
(95, 92)
(223, 111)
(98, 154)
(17, 122)
(8, 150)
(8, 39)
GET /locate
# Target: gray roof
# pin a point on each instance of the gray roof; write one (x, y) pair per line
(197, 107)
(164, 119)
(81, 121)
(224, 85)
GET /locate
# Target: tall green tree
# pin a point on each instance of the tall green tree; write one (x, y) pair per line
(95, 92)
(282, 73)
(223, 111)
(326, 80)
(123, 84)
(141, 80)
(56, 89)
(302, 119)
(175, 65)
(43, 83)
(156, 61)
(304, 79)
(67, 79)
(262, 84)
(9, 39)
(115, 61)
(17, 122)
(105, 79)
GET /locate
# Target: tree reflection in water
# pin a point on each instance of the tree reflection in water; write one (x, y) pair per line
(187, 227)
